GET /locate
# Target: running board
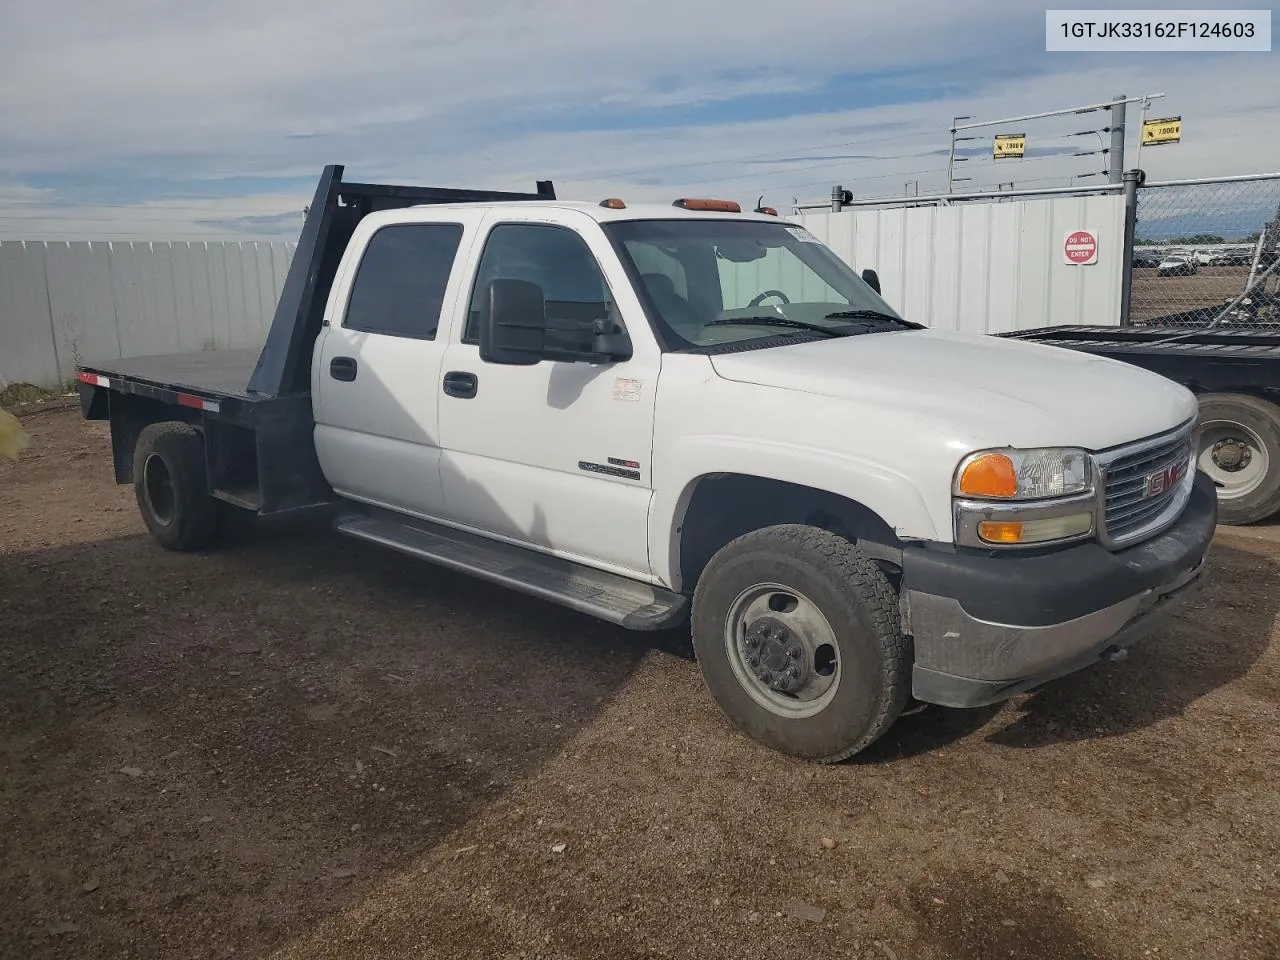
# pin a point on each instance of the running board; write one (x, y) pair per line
(616, 599)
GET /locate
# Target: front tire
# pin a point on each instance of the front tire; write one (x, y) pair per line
(170, 486)
(798, 638)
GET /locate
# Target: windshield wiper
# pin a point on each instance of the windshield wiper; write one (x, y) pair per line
(864, 314)
(873, 315)
(777, 322)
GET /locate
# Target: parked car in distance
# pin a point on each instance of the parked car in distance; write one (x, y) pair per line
(1175, 266)
(1231, 258)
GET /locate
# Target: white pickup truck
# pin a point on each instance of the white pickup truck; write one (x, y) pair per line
(679, 413)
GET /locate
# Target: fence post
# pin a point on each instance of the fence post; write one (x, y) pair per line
(837, 198)
(1131, 181)
(1115, 166)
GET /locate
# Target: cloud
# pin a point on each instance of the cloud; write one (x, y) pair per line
(192, 120)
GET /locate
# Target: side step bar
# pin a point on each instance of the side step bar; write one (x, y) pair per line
(615, 599)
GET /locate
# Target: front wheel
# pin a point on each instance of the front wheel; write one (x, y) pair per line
(798, 638)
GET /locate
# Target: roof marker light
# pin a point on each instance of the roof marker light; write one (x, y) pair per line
(722, 206)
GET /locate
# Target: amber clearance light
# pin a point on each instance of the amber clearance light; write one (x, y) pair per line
(721, 206)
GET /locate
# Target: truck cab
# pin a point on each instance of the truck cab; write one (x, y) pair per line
(670, 413)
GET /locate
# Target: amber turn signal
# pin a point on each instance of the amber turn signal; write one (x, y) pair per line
(1000, 531)
(990, 475)
(1044, 530)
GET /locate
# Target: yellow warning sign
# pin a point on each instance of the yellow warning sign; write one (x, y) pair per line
(1009, 145)
(1164, 130)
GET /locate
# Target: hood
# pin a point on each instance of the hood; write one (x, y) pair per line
(995, 391)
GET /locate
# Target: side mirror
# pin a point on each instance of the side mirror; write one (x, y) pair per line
(871, 279)
(513, 323)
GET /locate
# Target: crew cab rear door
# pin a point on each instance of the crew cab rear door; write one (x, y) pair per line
(377, 360)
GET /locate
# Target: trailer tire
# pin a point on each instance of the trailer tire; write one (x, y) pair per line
(1238, 446)
(808, 609)
(171, 488)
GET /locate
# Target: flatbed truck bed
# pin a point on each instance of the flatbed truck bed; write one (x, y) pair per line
(254, 408)
(217, 373)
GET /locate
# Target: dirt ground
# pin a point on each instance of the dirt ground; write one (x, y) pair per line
(1155, 296)
(300, 747)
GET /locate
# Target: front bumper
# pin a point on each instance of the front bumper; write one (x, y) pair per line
(989, 625)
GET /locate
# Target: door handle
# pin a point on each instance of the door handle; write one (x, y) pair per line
(460, 384)
(343, 368)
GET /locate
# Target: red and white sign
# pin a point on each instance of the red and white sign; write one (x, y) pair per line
(1081, 246)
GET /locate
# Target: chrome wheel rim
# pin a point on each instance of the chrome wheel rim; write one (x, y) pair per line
(1234, 457)
(782, 650)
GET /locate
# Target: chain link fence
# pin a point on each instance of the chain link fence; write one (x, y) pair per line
(1207, 251)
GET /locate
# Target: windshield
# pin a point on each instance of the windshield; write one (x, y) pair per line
(714, 282)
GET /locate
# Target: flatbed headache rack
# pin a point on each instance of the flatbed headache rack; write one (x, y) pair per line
(1208, 360)
(254, 408)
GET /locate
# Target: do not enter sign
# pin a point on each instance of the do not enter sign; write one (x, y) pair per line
(1081, 246)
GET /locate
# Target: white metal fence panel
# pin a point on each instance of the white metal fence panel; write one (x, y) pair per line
(62, 303)
(986, 267)
(981, 267)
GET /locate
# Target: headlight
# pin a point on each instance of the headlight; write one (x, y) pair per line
(1025, 474)
(1014, 498)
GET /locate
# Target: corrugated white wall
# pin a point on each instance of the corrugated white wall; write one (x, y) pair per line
(61, 303)
(986, 267)
(977, 267)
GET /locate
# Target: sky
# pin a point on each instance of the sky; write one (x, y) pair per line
(168, 119)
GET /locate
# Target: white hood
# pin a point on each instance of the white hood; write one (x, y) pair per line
(1011, 392)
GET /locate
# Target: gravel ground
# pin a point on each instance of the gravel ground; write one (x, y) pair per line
(1154, 295)
(300, 747)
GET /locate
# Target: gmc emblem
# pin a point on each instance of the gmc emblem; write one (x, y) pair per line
(1162, 481)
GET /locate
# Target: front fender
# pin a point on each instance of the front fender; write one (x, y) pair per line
(891, 495)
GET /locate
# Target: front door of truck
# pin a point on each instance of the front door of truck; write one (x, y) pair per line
(553, 455)
(376, 367)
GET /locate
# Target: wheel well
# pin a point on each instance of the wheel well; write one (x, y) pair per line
(724, 507)
(130, 415)
(230, 448)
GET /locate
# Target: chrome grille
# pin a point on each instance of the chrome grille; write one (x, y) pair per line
(1131, 512)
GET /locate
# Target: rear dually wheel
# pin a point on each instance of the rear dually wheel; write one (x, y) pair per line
(170, 486)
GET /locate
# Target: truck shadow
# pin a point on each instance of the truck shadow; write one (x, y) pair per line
(1212, 642)
(206, 753)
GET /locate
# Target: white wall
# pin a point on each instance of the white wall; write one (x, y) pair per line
(979, 267)
(62, 303)
(986, 267)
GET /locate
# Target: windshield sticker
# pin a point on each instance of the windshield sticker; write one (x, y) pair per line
(803, 235)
